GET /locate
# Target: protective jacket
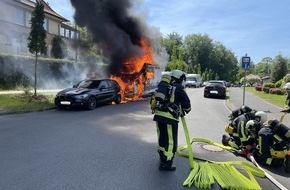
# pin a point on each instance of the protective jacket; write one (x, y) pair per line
(266, 141)
(239, 133)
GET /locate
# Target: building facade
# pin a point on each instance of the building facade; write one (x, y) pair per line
(15, 26)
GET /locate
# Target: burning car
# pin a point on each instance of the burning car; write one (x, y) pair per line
(89, 93)
(138, 76)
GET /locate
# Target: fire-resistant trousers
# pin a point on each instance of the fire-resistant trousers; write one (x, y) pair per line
(167, 141)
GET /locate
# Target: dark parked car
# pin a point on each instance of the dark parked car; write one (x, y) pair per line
(215, 88)
(89, 93)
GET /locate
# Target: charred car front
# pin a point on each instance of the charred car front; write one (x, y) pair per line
(215, 88)
(89, 93)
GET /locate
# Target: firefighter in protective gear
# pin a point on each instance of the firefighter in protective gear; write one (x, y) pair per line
(287, 101)
(274, 142)
(249, 146)
(241, 137)
(167, 117)
(242, 110)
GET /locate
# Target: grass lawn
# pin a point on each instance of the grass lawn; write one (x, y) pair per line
(25, 102)
(278, 100)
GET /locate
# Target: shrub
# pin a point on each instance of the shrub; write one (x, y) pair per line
(278, 84)
(277, 91)
(286, 78)
(270, 85)
(266, 89)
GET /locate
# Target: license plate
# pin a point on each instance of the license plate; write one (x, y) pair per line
(214, 92)
(65, 103)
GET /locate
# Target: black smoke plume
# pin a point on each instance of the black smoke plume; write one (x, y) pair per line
(112, 26)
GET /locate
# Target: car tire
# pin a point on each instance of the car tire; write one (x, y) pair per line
(118, 99)
(204, 95)
(61, 107)
(92, 103)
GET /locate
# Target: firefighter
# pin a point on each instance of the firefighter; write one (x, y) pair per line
(242, 110)
(240, 135)
(274, 142)
(249, 145)
(167, 117)
(287, 101)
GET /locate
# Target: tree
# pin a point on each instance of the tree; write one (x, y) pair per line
(177, 64)
(279, 68)
(198, 49)
(37, 36)
(263, 68)
(251, 79)
(59, 47)
(173, 45)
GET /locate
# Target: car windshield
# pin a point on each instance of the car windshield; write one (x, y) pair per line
(190, 78)
(216, 83)
(88, 84)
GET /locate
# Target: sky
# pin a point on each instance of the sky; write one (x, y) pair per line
(258, 28)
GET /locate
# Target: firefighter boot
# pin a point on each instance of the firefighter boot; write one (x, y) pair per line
(287, 162)
(167, 167)
(225, 140)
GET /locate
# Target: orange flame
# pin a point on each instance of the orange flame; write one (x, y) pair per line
(136, 75)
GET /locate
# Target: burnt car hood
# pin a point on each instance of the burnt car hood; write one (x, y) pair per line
(74, 91)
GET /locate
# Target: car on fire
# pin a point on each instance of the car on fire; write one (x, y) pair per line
(89, 94)
(215, 88)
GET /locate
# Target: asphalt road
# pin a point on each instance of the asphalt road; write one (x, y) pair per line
(111, 147)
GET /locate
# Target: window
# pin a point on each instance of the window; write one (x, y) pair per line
(20, 17)
(28, 19)
(62, 31)
(72, 34)
(8, 40)
(67, 33)
(45, 24)
(104, 84)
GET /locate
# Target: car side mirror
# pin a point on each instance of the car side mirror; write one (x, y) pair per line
(102, 87)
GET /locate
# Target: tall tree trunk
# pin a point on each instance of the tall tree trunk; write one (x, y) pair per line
(35, 74)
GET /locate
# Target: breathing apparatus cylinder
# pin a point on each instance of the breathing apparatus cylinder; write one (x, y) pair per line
(163, 88)
(244, 109)
(281, 130)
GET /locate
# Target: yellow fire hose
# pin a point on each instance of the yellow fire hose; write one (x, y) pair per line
(203, 174)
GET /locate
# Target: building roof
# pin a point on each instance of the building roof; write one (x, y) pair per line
(47, 8)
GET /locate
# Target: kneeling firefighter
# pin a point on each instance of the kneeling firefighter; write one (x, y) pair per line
(274, 144)
(169, 96)
(239, 135)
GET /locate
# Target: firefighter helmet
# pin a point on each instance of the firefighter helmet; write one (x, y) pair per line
(178, 75)
(261, 117)
(250, 127)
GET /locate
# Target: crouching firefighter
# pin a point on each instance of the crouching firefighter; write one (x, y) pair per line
(274, 143)
(168, 98)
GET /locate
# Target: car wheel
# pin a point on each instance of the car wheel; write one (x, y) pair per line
(118, 99)
(61, 107)
(92, 103)
(204, 95)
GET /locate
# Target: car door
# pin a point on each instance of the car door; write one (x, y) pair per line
(105, 90)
